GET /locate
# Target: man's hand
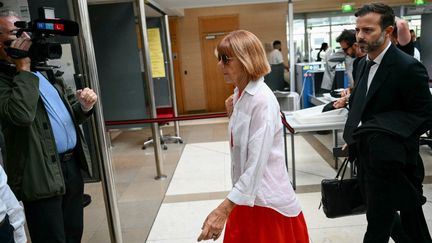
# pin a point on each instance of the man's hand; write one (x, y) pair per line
(340, 103)
(345, 92)
(87, 98)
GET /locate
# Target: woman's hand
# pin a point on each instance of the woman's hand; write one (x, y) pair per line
(215, 221)
(229, 106)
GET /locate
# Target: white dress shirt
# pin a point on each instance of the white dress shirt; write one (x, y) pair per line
(374, 67)
(259, 173)
(9, 205)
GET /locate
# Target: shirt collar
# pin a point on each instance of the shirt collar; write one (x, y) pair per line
(379, 58)
(253, 86)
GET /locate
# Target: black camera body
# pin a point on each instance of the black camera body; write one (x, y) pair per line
(41, 49)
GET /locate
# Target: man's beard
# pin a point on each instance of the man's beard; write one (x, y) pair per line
(374, 45)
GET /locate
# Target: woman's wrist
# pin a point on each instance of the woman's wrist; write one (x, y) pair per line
(227, 206)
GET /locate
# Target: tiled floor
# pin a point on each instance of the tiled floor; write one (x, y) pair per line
(198, 178)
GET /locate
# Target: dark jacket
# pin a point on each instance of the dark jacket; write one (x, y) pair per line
(398, 102)
(33, 165)
(399, 96)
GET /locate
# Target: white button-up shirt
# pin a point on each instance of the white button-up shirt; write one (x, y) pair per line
(259, 173)
(10, 206)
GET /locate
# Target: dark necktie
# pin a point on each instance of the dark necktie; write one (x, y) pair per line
(357, 105)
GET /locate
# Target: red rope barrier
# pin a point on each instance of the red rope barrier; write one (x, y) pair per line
(286, 124)
(183, 118)
(162, 120)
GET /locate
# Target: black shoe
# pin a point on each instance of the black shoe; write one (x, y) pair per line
(86, 200)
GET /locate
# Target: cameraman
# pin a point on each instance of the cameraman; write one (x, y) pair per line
(45, 146)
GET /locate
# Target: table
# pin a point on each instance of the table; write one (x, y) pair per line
(310, 127)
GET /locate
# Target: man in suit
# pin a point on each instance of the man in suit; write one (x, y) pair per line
(390, 107)
(46, 149)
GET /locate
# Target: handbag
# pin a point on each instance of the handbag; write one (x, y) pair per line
(341, 197)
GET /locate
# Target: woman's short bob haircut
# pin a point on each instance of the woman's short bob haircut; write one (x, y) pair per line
(247, 48)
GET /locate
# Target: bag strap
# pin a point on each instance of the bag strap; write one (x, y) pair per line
(342, 169)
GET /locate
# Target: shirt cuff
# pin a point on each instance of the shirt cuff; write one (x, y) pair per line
(86, 110)
(19, 235)
(239, 198)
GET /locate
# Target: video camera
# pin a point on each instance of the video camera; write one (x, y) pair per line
(45, 27)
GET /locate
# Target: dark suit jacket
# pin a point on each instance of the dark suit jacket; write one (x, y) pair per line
(398, 109)
(398, 101)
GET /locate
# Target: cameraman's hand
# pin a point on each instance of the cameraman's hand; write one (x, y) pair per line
(22, 43)
(87, 98)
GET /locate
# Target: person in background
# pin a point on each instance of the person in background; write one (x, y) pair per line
(12, 216)
(347, 42)
(417, 42)
(46, 150)
(322, 52)
(262, 205)
(390, 108)
(275, 56)
(353, 50)
(347, 54)
(401, 37)
(414, 39)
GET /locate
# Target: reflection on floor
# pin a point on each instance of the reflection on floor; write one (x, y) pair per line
(198, 178)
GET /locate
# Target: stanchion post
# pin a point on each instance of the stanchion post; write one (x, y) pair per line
(292, 58)
(105, 167)
(150, 87)
(171, 75)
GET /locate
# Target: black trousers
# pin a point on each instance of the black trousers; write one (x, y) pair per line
(59, 219)
(392, 188)
(6, 231)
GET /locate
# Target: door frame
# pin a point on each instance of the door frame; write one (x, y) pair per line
(214, 24)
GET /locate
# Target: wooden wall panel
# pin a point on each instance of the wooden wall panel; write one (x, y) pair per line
(267, 21)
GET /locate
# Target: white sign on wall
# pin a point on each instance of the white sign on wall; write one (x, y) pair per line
(20, 7)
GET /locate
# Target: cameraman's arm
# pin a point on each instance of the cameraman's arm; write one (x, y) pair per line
(19, 95)
(73, 100)
(19, 91)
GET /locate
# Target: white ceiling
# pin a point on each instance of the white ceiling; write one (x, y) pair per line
(176, 7)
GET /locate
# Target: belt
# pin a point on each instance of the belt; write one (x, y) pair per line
(66, 156)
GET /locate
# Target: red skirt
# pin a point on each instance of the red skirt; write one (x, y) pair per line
(264, 225)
